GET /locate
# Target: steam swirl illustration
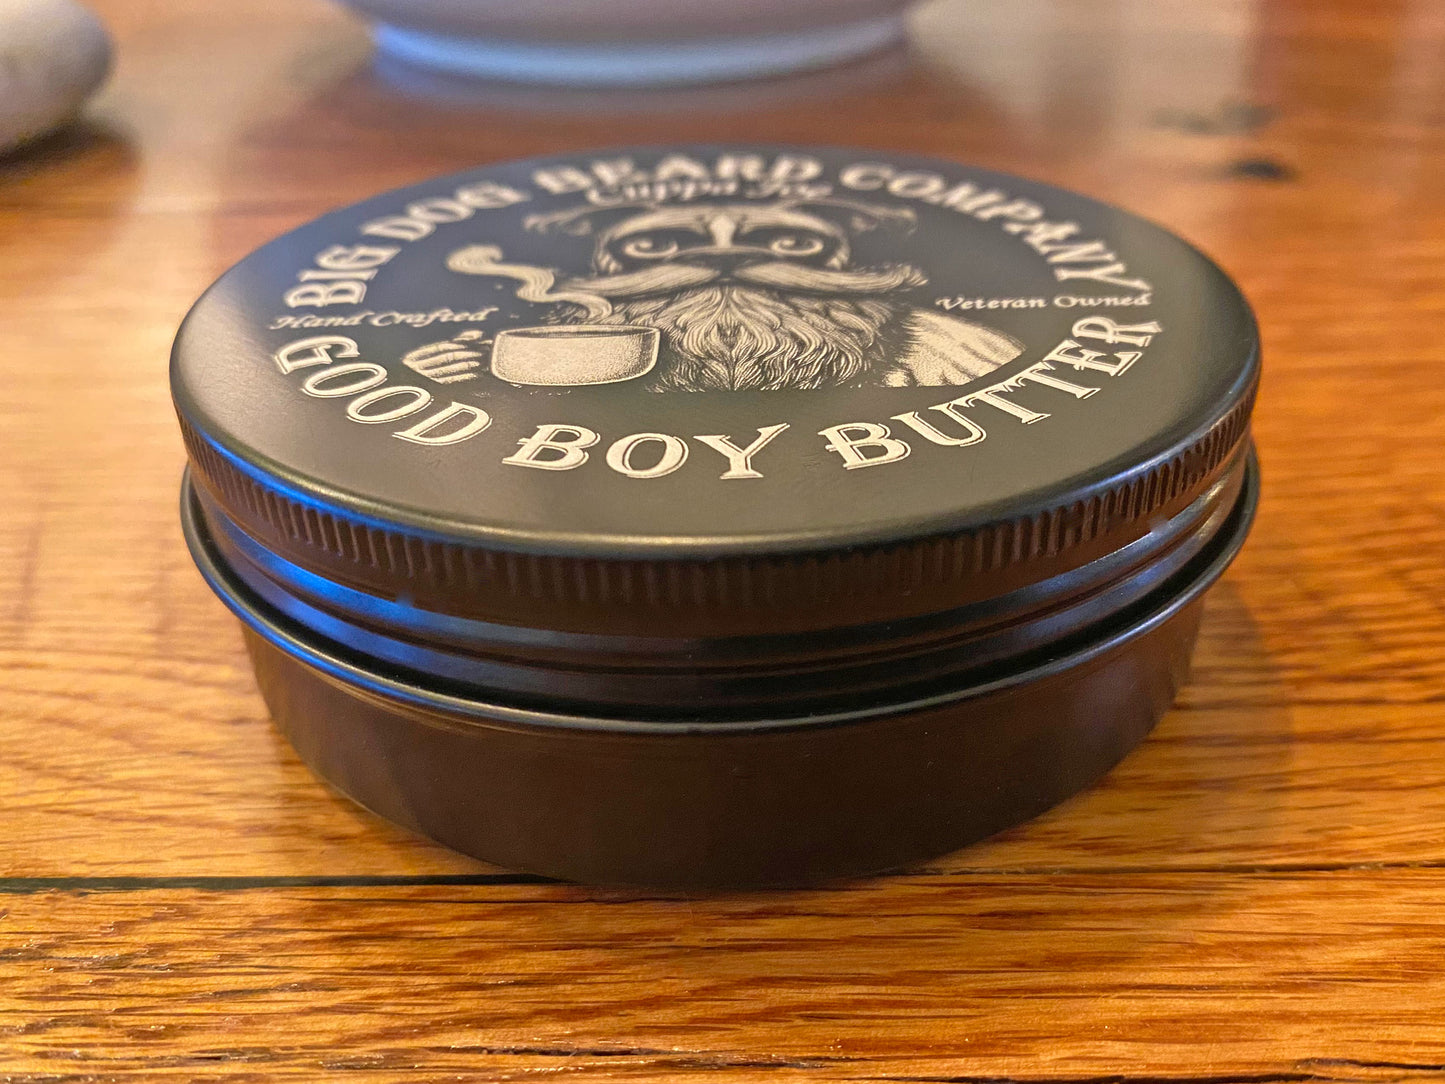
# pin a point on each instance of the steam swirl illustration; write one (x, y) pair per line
(536, 282)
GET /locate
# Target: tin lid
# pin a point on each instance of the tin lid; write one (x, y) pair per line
(713, 389)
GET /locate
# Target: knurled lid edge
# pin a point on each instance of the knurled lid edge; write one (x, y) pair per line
(395, 561)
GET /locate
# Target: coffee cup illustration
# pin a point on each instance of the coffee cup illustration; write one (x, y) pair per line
(572, 355)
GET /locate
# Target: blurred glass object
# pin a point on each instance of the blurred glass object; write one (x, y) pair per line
(630, 43)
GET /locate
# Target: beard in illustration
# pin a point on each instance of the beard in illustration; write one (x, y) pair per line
(761, 326)
(749, 297)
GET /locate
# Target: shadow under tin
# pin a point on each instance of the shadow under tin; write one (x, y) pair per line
(837, 508)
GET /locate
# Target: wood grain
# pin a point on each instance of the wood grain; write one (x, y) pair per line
(919, 979)
(1252, 896)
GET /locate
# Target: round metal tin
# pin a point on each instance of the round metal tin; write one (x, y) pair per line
(603, 515)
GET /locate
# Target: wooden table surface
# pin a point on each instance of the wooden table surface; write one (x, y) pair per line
(1257, 894)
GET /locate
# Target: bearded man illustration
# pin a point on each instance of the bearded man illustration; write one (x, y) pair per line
(756, 297)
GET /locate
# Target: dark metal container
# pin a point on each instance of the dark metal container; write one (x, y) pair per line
(718, 515)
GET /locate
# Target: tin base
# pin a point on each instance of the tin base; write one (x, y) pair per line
(733, 808)
(731, 804)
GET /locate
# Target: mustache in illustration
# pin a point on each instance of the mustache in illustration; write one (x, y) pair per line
(781, 275)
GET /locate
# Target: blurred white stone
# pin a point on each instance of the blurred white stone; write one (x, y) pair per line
(53, 55)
